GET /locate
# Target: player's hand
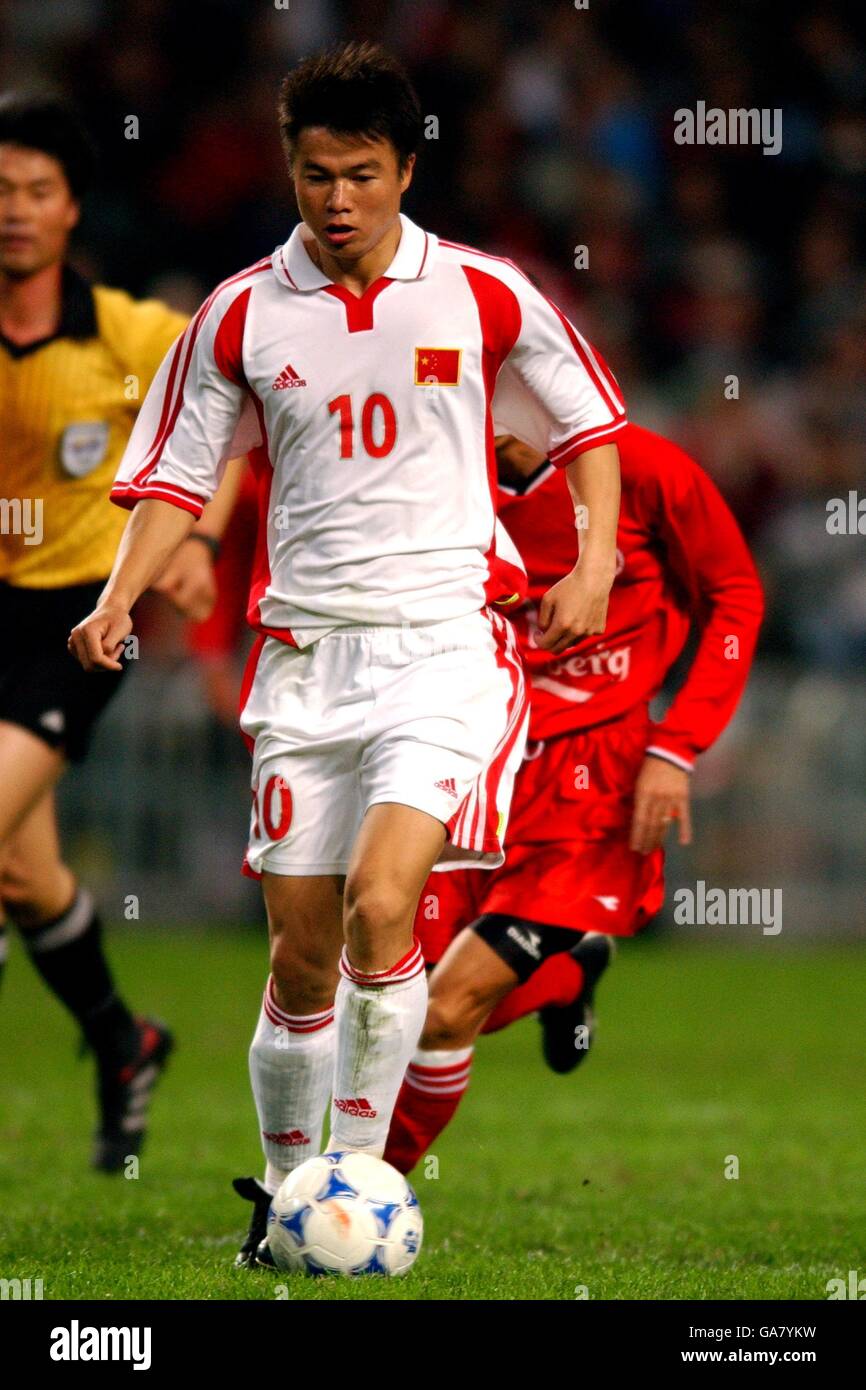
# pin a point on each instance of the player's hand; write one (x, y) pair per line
(98, 640)
(189, 582)
(574, 607)
(661, 795)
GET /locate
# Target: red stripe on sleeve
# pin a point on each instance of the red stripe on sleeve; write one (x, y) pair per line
(580, 443)
(127, 495)
(500, 318)
(228, 348)
(608, 390)
(173, 399)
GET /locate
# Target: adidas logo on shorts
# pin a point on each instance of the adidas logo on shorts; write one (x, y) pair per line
(447, 785)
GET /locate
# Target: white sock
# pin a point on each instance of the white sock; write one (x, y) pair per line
(291, 1069)
(379, 1020)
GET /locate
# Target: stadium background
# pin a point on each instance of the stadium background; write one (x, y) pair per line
(555, 130)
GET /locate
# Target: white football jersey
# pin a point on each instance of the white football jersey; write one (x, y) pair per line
(376, 419)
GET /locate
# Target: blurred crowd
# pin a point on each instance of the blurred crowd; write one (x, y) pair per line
(726, 287)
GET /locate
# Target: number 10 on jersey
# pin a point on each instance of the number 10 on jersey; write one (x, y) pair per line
(377, 417)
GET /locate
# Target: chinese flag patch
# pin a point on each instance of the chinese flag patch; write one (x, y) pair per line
(437, 366)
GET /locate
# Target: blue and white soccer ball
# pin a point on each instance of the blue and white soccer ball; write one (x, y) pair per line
(345, 1213)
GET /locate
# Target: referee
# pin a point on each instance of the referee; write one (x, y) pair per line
(75, 363)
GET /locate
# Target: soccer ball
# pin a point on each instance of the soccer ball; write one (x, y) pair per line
(345, 1213)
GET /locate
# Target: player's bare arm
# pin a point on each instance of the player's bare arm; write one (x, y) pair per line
(153, 534)
(188, 580)
(577, 605)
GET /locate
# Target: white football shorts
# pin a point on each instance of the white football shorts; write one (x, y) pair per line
(429, 715)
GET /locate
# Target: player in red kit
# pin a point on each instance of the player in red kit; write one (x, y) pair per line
(600, 782)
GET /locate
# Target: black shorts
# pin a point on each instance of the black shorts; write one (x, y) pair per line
(42, 687)
(523, 945)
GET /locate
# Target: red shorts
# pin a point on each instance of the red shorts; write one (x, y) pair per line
(568, 861)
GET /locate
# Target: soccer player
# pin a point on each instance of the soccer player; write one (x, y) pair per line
(600, 784)
(75, 361)
(384, 700)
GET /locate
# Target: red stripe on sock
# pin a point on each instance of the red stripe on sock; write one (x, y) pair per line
(436, 1083)
(294, 1023)
(418, 1070)
(418, 1119)
(297, 1027)
(452, 1089)
(405, 969)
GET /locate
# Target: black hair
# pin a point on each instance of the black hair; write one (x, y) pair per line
(50, 125)
(356, 88)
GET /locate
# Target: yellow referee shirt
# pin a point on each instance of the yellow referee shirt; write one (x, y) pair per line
(67, 407)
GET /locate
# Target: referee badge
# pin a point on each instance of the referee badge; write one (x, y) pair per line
(83, 447)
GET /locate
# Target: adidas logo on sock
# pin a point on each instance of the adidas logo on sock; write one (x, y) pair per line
(447, 785)
(360, 1107)
(290, 1140)
(287, 377)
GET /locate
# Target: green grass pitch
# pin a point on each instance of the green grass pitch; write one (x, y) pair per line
(610, 1180)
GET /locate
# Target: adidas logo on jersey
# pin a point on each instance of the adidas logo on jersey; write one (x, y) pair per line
(528, 940)
(359, 1106)
(292, 1139)
(287, 377)
(447, 785)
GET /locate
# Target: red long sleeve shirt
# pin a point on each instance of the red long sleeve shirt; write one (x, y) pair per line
(681, 559)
